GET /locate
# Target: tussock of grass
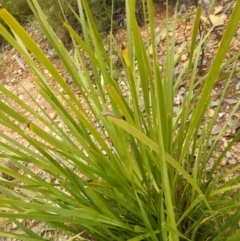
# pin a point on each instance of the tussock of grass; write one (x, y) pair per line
(143, 176)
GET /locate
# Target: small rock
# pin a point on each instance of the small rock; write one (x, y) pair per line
(216, 130)
(182, 91)
(210, 164)
(150, 50)
(178, 100)
(53, 115)
(176, 109)
(238, 75)
(21, 97)
(38, 97)
(210, 143)
(209, 45)
(61, 125)
(180, 40)
(182, 9)
(45, 71)
(177, 71)
(69, 80)
(211, 113)
(205, 2)
(237, 86)
(122, 83)
(214, 103)
(228, 55)
(226, 179)
(232, 161)
(223, 162)
(13, 80)
(97, 124)
(51, 54)
(14, 225)
(235, 129)
(184, 57)
(225, 143)
(228, 155)
(19, 71)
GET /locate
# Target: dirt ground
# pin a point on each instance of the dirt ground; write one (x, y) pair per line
(16, 75)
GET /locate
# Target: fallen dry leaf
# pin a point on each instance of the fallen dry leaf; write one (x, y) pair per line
(218, 9)
(230, 101)
(217, 20)
(216, 130)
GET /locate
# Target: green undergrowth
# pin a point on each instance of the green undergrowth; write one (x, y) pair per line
(58, 11)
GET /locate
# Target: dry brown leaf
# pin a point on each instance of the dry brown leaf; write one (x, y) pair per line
(217, 20)
(230, 101)
(218, 9)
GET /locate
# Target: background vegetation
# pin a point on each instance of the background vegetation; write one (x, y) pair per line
(58, 11)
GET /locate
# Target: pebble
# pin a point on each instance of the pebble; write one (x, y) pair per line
(19, 71)
(122, 83)
(38, 97)
(226, 179)
(21, 97)
(53, 115)
(228, 155)
(13, 80)
(209, 45)
(205, 2)
(224, 162)
(182, 9)
(178, 99)
(237, 86)
(216, 130)
(176, 109)
(184, 57)
(177, 71)
(211, 113)
(232, 161)
(221, 114)
(210, 143)
(210, 164)
(238, 75)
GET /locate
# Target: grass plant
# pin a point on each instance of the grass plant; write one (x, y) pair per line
(120, 167)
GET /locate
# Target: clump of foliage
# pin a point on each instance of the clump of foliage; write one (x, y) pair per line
(19, 9)
(140, 174)
(60, 11)
(106, 14)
